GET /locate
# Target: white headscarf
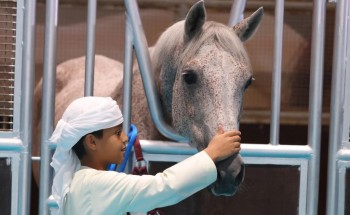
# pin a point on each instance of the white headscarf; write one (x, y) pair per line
(82, 116)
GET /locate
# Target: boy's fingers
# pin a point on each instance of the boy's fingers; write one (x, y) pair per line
(238, 149)
(236, 138)
(232, 133)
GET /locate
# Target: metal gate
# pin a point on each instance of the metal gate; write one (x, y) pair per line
(15, 142)
(305, 156)
(16, 93)
(339, 141)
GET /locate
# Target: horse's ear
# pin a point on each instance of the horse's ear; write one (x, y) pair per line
(195, 20)
(248, 26)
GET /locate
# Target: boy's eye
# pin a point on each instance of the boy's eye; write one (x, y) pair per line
(119, 132)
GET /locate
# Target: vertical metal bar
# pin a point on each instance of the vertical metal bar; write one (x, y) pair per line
(337, 96)
(90, 48)
(342, 188)
(19, 34)
(277, 73)
(127, 77)
(346, 126)
(27, 105)
(127, 81)
(237, 12)
(315, 103)
(48, 105)
(143, 59)
(303, 188)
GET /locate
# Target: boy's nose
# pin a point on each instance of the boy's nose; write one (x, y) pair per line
(125, 138)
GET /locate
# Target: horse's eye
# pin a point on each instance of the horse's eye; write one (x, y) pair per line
(189, 76)
(249, 82)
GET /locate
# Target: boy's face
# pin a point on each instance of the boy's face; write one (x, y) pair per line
(112, 146)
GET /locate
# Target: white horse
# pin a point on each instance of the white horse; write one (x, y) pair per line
(202, 71)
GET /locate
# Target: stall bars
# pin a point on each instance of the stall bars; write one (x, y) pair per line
(339, 133)
(305, 156)
(17, 144)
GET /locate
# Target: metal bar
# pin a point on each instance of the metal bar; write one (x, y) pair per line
(35, 158)
(282, 151)
(7, 57)
(90, 48)
(127, 77)
(303, 187)
(8, 36)
(7, 44)
(342, 188)
(27, 106)
(248, 150)
(8, 66)
(11, 95)
(346, 126)
(337, 96)
(10, 144)
(218, 5)
(48, 105)
(237, 12)
(7, 109)
(6, 115)
(277, 73)
(315, 104)
(143, 59)
(13, 15)
(343, 154)
(167, 147)
(7, 102)
(9, 51)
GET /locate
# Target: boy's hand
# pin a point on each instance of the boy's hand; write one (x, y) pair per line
(223, 145)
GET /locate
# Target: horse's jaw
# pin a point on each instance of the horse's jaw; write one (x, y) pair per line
(230, 175)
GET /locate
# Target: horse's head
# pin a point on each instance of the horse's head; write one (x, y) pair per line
(204, 71)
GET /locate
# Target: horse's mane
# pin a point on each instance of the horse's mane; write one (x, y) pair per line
(169, 48)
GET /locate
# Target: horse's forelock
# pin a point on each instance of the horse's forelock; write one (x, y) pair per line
(223, 36)
(167, 46)
(170, 46)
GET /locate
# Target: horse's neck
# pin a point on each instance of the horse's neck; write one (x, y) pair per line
(164, 57)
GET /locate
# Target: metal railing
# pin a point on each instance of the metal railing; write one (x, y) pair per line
(339, 146)
(17, 85)
(306, 156)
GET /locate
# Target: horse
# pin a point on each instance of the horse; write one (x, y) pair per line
(202, 71)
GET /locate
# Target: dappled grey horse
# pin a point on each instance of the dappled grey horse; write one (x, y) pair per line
(201, 70)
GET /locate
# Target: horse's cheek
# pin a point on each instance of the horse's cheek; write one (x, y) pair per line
(182, 111)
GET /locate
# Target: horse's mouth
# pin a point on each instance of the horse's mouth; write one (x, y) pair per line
(227, 184)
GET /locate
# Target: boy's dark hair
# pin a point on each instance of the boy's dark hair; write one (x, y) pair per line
(79, 149)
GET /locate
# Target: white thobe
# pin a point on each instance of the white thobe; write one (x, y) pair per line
(96, 192)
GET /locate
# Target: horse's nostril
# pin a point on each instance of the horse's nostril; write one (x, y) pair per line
(221, 175)
(240, 175)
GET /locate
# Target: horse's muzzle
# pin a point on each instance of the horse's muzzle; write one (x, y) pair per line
(227, 183)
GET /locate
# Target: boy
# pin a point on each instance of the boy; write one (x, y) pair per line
(89, 137)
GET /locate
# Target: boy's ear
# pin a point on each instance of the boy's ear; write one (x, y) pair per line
(89, 142)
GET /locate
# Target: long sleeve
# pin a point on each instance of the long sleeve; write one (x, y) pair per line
(174, 184)
(117, 193)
